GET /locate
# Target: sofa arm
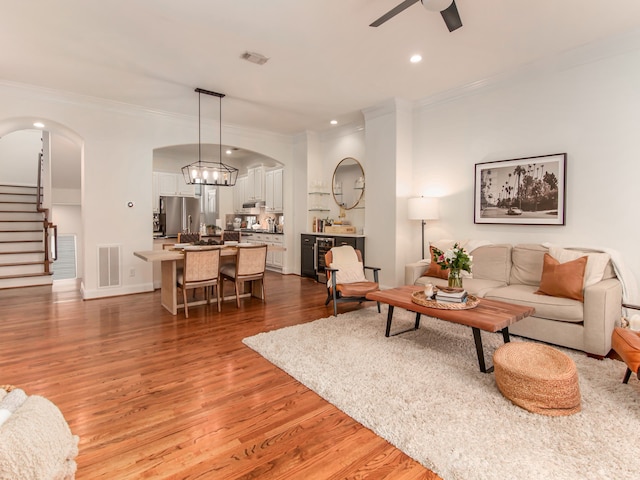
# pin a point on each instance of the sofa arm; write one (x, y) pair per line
(413, 271)
(602, 311)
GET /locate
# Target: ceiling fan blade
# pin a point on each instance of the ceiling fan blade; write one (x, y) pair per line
(393, 12)
(451, 17)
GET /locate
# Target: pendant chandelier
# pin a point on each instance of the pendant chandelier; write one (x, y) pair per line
(205, 172)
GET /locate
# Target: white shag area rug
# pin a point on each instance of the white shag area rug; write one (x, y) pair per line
(423, 392)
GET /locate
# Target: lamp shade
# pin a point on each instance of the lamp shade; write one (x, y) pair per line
(423, 208)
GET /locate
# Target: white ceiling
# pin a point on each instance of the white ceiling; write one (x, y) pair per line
(325, 61)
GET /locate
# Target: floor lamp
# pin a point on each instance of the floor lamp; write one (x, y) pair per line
(423, 208)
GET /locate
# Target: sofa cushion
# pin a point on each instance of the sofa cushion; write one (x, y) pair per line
(563, 279)
(526, 264)
(596, 262)
(492, 262)
(552, 308)
(434, 270)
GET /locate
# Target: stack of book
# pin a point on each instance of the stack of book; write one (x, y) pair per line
(451, 296)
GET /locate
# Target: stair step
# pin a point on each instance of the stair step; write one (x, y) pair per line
(19, 251)
(18, 226)
(20, 189)
(17, 258)
(23, 262)
(20, 269)
(6, 239)
(18, 197)
(19, 207)
(28, 240)
(20, 215)
(15, 281)
(21, 240)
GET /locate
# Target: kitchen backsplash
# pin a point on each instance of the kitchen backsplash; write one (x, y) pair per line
(235, 221)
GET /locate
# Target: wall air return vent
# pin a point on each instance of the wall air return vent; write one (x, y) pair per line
(108, 266)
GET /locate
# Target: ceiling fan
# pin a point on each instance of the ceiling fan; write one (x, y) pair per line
(447, 9)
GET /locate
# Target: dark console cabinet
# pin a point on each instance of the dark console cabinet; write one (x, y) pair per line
(314, 246)
(307, 264)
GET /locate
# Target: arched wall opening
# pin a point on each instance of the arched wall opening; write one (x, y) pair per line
(62, 150)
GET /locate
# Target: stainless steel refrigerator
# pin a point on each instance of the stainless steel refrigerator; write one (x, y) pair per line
(179, 214)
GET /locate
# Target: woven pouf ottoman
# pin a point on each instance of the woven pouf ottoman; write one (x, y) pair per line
(538, 378)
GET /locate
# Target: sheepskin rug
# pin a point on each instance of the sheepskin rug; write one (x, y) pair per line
(423, 392)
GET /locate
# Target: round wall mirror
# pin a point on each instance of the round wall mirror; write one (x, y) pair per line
(348, 183)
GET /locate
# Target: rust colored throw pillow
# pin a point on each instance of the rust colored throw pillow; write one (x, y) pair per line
(563, 279)
(434, 269)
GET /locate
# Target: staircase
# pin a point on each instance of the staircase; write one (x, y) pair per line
(23, 259)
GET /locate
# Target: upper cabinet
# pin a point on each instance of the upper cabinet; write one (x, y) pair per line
(255, 184)
(173, 184)
(239, 193)
(273, 190)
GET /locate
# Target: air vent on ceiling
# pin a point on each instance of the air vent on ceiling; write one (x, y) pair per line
(254, 58)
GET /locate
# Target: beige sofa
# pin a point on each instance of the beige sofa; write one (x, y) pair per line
(512, 274)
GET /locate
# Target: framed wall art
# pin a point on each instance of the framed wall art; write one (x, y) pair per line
(521, 191)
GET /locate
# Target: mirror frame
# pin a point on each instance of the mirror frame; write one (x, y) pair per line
(333, 183)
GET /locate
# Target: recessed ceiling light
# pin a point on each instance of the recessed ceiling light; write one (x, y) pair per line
(417, 58)
(228, 152)
(38, 125)
(333, 122)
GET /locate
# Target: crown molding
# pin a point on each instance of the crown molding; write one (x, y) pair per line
(590, 53)
(341, 131)
(79, 100)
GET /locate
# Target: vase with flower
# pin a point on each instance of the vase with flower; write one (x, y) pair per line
(455, 259)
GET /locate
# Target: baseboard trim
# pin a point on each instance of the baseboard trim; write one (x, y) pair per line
(115, 292)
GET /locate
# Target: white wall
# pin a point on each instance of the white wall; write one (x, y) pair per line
(590, 111)
(19, 154)
(335, 145)
(118, 143)
(68, 218)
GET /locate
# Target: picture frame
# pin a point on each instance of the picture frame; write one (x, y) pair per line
(521, 191)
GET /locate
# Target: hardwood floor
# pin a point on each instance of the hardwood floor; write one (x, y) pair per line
(157, 396)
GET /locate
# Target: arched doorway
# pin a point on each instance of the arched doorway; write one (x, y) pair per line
(29, 145)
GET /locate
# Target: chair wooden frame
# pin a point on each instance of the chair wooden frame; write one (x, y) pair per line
(335, 293)
(230, 236)
(250, 265)
(201, 269)
(188, 237)
(626, 343)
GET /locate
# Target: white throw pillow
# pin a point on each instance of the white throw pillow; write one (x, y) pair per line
(596, 262)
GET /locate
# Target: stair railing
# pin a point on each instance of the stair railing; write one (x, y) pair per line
(50, 241)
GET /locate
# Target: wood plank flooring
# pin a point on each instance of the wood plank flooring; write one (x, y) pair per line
(157, 396)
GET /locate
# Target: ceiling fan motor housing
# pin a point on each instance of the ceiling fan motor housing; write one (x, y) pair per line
(436, 5)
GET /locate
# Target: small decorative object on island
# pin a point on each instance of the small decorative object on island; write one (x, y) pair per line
(428, 290)
(455, 260)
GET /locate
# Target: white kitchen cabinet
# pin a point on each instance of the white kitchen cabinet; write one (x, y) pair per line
(275, 259)
(167, 184)
(173, 184)
(239, 193)
(185, 189)
(277, 190)
(255, 184)
(273, 190)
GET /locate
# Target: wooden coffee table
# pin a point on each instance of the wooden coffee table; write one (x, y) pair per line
(490, 315)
